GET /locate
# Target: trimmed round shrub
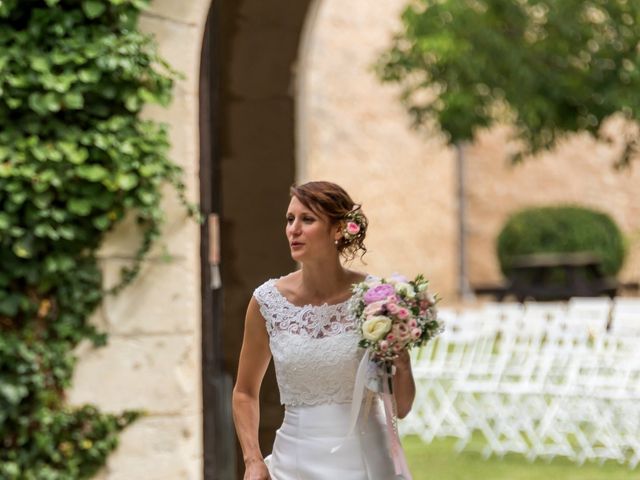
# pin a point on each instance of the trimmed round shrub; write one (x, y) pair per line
(562, 229)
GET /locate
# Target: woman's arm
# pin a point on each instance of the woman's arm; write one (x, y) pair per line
(404, 387)
(254, 360)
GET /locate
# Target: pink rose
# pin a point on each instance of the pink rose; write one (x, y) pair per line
(353, 228)
(384, 345)
(392, 308)
(403, 313)
(412, 323)
(398, 347)
(416, 333)
(373, 308)
(401, 331)
(379, 292)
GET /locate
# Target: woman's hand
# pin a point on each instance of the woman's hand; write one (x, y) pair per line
(256, 470)
(404, 387)
(403, 361)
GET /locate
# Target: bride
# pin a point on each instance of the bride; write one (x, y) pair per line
(302, 320)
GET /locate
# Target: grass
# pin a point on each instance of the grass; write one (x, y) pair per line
(439, 461)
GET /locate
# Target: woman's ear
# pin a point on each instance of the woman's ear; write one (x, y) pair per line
(337, 232)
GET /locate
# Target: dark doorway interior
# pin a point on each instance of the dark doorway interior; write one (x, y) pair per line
(247, 138)
(218, 436)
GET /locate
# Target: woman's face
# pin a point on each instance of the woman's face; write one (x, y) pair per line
(309, 235)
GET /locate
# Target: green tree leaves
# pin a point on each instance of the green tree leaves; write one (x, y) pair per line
(546, 66)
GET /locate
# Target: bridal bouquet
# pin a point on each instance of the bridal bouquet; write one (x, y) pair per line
(394, 315)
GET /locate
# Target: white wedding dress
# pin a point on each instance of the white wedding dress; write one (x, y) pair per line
(316, 355)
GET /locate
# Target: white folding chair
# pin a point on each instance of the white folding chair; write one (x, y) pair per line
(435, 371)
(593, 312)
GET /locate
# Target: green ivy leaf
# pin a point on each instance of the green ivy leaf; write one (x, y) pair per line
(4, 153)
(93, 8)
(5, 221)
(140, 4)
(147, 198)
(93, 173)
(133, 103)
(44, 230)
(40, 64)
(43, 200)
(74, 153)
(23, 248)
(151, 170)
(126, 181)
(79, 206)
(12, 393)
(74, 100)
(66, 232)
(87, 75)
(43, 104)
(102, 223)
(14, 103)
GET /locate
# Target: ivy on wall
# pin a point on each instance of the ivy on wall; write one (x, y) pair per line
(75, 158)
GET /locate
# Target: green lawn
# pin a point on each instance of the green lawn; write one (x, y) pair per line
(439, 461)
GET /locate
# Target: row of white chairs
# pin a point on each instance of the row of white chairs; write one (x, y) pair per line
(540, 379)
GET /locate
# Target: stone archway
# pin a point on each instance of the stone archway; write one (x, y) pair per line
(172, 339)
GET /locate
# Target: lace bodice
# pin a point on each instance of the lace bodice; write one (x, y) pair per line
(315, 348)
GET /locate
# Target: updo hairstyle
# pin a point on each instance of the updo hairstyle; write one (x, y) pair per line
(332, 201)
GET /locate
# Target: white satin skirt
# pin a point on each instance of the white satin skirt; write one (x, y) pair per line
(303, 446)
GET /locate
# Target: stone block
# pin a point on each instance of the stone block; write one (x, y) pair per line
(181, 116)
(163, 299)
(159, 448)
(180, 234)
(190, 12)
(181, 45)
(160, 374)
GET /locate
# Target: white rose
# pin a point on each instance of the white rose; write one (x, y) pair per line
(405, 289)
(376, 327)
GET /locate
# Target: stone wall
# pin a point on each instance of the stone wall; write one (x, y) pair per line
(355, 132)
(152, 360)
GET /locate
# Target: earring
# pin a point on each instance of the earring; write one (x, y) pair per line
(335, 241)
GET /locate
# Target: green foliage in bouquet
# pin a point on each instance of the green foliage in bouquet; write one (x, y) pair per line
(562, 229)
(75, 158)
(547, 67)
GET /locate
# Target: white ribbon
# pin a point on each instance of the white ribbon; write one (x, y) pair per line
(358, 395)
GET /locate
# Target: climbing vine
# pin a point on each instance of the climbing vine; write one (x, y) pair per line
(75, 158)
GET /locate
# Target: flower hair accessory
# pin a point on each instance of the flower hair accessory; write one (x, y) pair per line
(354, 224)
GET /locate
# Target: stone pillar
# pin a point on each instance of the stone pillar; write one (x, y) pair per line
(152, 360)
